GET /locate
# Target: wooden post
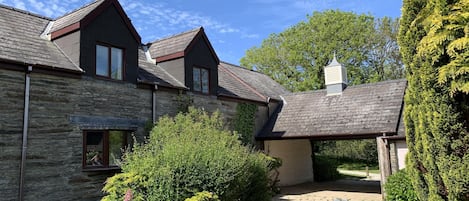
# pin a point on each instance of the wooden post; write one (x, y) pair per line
(367, 172)
(384, 162)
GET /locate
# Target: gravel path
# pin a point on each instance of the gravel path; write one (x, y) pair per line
(340, 190)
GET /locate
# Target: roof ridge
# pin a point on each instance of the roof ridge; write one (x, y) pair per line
(351, 86)
(73, 11)
(244, 68)
(25, 12)
(243, 82)
(177, 34)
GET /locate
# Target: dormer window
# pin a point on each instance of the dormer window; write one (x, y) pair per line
(109, 62)
(201, 80)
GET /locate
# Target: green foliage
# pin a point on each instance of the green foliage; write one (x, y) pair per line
(245, 122)
(325, 168)
(187, 154)
(184, 101)
(296, 57)
(399, 188)
(432, 39)
(349, 150)
(203, 196)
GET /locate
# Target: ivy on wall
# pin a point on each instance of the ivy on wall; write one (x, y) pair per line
(183, 102)
(245, 122)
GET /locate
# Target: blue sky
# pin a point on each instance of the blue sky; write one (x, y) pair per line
(231, 26)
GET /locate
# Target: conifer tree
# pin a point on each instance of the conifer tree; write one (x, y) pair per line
(434, 43)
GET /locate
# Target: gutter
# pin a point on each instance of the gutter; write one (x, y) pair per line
(341, 136)
(25, 130)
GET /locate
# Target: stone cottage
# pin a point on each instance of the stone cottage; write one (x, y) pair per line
(73, 93)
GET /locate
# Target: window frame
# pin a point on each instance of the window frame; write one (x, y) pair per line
(200, 68)
(105, 154)
(109, 60)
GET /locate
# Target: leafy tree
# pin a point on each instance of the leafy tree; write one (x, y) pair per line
(191, 156)
(434, 41)
(296, 57)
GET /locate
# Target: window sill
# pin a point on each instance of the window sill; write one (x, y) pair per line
(101, 169)
(109, 79)
(201, 93)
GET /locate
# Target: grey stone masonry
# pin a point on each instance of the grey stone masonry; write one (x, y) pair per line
(60, 108)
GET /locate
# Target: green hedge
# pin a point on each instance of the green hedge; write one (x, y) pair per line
(325, 168)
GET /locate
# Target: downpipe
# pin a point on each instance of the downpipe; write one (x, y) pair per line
(25, 130)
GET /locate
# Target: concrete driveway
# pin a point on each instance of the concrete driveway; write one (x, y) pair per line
(340, 190)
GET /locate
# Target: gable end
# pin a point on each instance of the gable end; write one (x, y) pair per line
(92, 15)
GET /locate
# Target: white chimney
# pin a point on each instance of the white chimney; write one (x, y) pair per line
(335, 77)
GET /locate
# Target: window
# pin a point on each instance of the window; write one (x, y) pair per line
(201, 80)
(103, 149)
(109, 62)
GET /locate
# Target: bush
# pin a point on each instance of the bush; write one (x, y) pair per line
(187, 154)
(325, 168)
(398, 187)
(203, 196)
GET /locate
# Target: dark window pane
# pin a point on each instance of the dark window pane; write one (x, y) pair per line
(94, 148)
(116, 63)
(205, 81)
(116, 145)
(102, 60)
(196, 76)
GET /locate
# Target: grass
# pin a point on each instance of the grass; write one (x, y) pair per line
(325, 168)
(358, 166)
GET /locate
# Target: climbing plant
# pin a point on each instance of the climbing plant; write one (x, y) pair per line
(245, 122)
(184, 101)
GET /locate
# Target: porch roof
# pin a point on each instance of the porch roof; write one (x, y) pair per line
(361, 111)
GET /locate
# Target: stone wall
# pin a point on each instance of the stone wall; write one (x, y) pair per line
(60, 109)
(11, 128)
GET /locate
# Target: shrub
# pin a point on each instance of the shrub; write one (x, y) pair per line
(187, 154)
(398, 187)
(325, 168)
(203, 196)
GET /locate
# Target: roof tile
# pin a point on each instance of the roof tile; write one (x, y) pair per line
(74, 16)
(173, 44)
(20, 40)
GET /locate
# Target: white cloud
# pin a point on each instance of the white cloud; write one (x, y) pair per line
(246, 35)
(228, 30)
(20, 5)
(50, 8)
(168, 20)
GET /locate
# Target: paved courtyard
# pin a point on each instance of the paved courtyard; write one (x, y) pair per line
(340, 190)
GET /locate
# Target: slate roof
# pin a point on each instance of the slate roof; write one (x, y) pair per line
(173, 44)
(361, 110)
(258, 81)
(20, 40)
(149, 72)
(231, 86)
(74, 16)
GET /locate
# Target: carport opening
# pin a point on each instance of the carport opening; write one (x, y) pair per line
(345, 159)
